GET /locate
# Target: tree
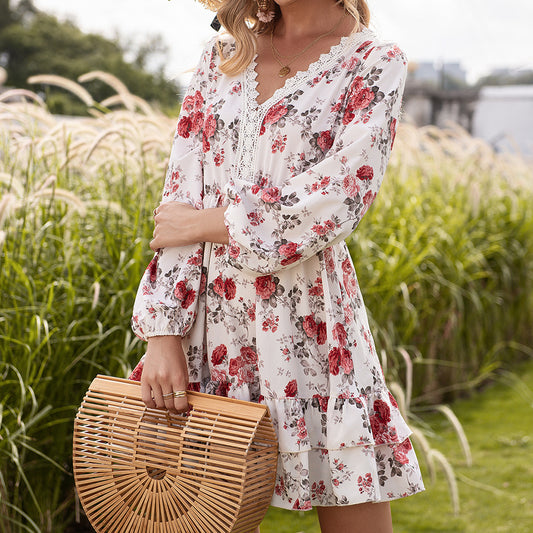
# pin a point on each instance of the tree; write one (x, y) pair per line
(524, 77)
(37, 43)
(5, 14)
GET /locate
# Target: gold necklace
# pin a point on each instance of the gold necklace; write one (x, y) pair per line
(285, 68)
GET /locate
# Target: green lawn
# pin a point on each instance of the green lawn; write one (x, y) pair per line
(496, 493)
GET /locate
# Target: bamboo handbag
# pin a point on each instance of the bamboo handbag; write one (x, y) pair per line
(146, 470)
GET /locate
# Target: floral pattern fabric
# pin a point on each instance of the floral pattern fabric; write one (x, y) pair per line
(277, 316)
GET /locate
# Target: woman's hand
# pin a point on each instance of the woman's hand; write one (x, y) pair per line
(179, 224)
(164, 371)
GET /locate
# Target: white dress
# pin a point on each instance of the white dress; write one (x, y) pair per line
(277, 316)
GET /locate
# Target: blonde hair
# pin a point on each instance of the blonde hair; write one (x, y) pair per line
(239, 18)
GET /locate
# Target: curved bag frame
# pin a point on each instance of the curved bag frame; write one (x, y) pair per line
(137, 469)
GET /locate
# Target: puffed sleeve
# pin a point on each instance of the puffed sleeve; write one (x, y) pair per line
(167, 296)
(324, 204)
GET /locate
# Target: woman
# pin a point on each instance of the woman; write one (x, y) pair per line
(280, 148)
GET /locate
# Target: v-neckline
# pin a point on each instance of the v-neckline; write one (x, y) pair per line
(290, 83)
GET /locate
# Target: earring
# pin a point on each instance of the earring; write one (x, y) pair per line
(264, 13)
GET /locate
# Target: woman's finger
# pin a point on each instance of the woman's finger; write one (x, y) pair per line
(181, 404)
(146, 394)
(169, 401)
(157, 393)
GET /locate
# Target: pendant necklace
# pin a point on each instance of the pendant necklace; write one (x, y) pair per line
(285, 66)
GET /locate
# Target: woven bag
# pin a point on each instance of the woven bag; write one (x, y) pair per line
(146, 470)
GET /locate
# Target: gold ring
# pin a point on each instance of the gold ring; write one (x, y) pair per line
(180, 394)
(169, 395)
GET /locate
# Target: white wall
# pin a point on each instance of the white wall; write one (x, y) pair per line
(504, 118)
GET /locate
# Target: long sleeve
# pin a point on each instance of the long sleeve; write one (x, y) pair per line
(272, 228)
(167, 298)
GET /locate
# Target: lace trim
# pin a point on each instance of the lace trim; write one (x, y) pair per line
(254, 113)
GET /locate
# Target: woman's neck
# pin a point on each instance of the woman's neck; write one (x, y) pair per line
(303, 19)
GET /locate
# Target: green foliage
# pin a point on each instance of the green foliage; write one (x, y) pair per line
(444, 259)
(496, 491)
(40, 44)
(521, 77)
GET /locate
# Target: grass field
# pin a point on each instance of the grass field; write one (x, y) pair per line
(444, 259)
(496, 492)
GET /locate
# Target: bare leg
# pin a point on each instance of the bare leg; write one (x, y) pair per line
(361, 518)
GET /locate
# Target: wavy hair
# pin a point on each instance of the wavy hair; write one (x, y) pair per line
(239, 18)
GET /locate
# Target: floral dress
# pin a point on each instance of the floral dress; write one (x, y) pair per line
(277, 316)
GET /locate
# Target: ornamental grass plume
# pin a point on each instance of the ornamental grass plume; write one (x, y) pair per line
(445, 257)
(64, 83)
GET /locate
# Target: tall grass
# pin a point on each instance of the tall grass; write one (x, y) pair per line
(444, 259)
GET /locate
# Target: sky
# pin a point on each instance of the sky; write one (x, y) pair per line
(480, 34)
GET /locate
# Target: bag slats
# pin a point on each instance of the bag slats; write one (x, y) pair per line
(145, 470)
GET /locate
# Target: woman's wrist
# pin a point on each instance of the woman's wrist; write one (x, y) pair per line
(211, 226)
(168, 341)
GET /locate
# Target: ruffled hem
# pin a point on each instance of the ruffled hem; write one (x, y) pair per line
(335, 451)
(335, 423)
(322, 422)
(346, 477)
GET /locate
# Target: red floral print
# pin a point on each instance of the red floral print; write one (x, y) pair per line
(279, 143)
(347, 266)
(233, 250)
(351, 187)
(317, 289)
(322, 401)
(288, 250)
(365, 483)
(265, 287)
(382, 410)
(235, 365)
(249, 355)
(274, 315)
(197, 121)
(271, 195)
(184, 127)
(362, 99)
(275, 113)
(302, 429)
(339, 334)
(291, 389)
(181, 290)
(346, 362)
(365, 173)
(393, 400)
(152, 269)
(325, 141)
(401, 450)
(210, 126)
(350, 284)
(334, 361)
(189, 299)
(219, 158)
(393, 131)
(321, 335)
(218, 285)
(229, 289)
(310, 326)
(219, 354)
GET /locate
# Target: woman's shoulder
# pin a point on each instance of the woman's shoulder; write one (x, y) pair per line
(370, 48)
(219, 46)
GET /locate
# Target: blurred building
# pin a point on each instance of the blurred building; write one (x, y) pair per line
(438, 75)
(499, 113)
(438, 94)
(503, 117)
